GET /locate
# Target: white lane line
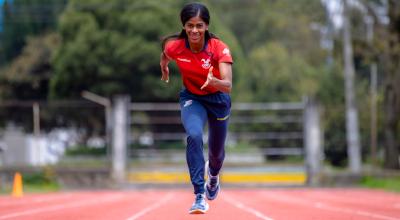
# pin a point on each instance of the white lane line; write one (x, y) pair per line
(353, 211)
(246, 208)
(12, 202)
(345, 195)
(164, 199)
(93, 201)
(324, 206)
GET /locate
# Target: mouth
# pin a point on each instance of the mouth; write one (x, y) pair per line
(194, 37)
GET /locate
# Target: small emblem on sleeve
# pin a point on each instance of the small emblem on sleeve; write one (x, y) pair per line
(226, 51)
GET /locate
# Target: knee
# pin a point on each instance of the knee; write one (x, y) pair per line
(195, 136)
(216, 156)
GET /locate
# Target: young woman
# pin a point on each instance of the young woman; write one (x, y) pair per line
(205, 64)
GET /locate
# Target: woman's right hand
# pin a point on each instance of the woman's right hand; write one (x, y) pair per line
(164, 68)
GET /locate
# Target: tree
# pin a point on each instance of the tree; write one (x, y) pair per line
(282, 57)
(28, 75)
(22, 18)
(392, 90)
(385, 51)
(278, 75)
(352, 129)
(111, 47)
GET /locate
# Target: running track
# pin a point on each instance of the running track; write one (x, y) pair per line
(235, 204)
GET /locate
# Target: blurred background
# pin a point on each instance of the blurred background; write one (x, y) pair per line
(316, 96)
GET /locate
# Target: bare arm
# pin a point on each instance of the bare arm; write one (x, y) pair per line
(225, 83)
(164, 60)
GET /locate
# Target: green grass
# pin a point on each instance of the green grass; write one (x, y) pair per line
(38, 182)
(390, 184)
(32, 188)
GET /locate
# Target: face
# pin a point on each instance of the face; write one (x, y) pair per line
(195, 29)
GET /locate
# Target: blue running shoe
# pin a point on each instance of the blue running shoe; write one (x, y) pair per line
(212, 186)
(199, 206)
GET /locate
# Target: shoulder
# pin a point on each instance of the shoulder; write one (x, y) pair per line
(216, 42)
(218, 46)
(173, 47)
(175, 43)
(220, 50)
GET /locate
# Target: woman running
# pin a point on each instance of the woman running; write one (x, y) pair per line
(205, 64)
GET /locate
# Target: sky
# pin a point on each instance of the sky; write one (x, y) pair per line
(335, 11)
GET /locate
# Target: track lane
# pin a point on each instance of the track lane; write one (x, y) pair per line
(295, 204)
(178, 207)
(249, 204)
(372, 202)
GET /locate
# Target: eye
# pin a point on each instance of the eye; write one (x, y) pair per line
(199, 26)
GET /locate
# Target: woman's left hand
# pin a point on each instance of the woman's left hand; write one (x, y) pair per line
(210, 79)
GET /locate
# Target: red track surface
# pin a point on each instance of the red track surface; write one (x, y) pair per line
(267, 204)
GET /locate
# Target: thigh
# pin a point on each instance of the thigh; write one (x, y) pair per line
(218, 130)
(193, 115)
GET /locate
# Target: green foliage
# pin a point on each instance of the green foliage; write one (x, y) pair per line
(22, 18)
(85, 150)
(278, 75)
(282, 58)
(112, 47)
(27, 76)
(44, 181)
(389, 183)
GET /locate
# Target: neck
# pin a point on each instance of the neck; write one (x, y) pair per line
(195, 48)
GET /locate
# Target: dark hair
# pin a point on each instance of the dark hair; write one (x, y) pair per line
(189, 11)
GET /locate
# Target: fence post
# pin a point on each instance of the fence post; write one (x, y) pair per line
(313, 141)
(120, 112)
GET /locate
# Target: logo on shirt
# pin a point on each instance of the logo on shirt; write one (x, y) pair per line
(184, 60)
(206, 63)
(226, 51)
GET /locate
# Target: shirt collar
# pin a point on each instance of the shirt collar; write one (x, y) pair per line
(204, 46)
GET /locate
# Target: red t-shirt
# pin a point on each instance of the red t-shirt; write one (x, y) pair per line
(194, 66)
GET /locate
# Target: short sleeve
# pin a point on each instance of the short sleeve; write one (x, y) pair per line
(223, 53)
(169, 49)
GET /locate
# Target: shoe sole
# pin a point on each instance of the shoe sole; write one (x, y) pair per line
(197, 211)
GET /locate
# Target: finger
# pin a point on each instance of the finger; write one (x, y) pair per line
(211, 69)
(204, 85)
(165, 79)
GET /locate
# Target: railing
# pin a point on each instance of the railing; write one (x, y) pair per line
(293, 128)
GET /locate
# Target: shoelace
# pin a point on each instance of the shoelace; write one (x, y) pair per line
(199, 198)
(213, 182)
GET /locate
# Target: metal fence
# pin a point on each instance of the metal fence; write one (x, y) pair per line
(266, 130)
(41, 132)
